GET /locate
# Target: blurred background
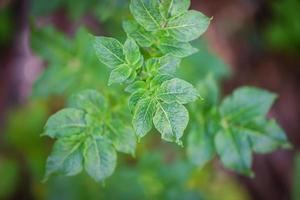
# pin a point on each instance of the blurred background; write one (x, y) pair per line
(45, 55)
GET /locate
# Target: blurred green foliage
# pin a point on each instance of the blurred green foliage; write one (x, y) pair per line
(283, 30)
(154, 175)
(149, 176)
(6, 25)
(101, 9)
(73, 66)
(296, 177)
(10, 173)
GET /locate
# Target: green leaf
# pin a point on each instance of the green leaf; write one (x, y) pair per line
(131, 51)
(122, 137)
(120, 74)
(243, 121)
(138, 33)
(175, 48)
(177, 90)
(134, 99)
(65, 123)
(152, 65)
(142, 117)
(146, 13)
(72, 65)
(90, 101)
(109, 51)
(200, 147)
(266, 136)
(209, 90)
(188, 26)
(234, 148)
(99, 137)
(172, 8)
(66, 157)
(159, 79)
(99, 158)
(135, 86)
(168, 64)
(246, 104)
(171, 120)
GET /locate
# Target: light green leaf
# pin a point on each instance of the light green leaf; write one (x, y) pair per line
(65, 123)
(138, 33)
(146, 13)
(171, 120)
(234, 150)
(109, 51)
(91, 101)
(132, 77)
(246, 104)
(175, 48)
(152, 65)
(172, 8)
(120, 74)
(168, 64)
(142, 117)
(122, 137)
(134, 98)
(188, 26)
(131, 51)
(135, 86)
(99, 158)
(200, 147)
(66, 157)
(159, 79)
(177, 90)
(266, 136)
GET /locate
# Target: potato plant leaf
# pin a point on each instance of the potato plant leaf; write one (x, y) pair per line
(170, 120)
(246, 129)
(93, 128)
(83, 140)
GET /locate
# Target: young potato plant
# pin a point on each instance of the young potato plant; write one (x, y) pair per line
(90, 130)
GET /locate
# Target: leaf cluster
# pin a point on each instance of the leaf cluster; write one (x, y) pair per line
(90, 131)
(234, 128)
